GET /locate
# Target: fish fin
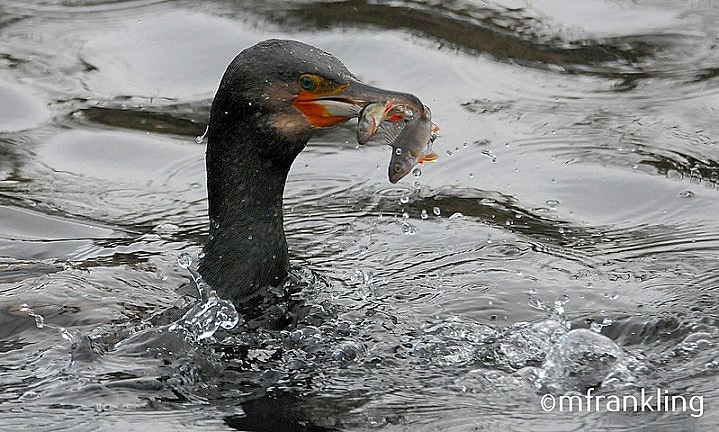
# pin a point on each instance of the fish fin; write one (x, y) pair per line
(432, 157)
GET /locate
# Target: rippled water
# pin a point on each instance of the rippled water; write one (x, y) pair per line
(566, 239)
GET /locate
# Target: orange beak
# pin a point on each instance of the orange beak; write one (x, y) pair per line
(345, 102)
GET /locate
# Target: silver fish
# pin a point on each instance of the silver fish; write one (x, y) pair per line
(370, 119)
(411, 145)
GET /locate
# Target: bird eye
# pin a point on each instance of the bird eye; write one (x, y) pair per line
(307, 83)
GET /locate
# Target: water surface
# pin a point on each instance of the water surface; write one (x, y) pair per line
(576, 190)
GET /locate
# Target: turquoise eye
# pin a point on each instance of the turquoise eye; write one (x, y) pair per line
(307, 83)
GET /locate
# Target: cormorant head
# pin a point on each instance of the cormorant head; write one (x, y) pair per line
(283, 91)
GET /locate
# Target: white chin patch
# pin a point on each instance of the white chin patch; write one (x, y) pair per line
(291, 125)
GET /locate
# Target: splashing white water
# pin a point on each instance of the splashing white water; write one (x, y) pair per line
(204, 319)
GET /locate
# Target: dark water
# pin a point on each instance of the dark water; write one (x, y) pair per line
(576, 190)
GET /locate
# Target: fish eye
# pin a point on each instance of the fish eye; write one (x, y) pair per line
(397, 169)
(307, 83)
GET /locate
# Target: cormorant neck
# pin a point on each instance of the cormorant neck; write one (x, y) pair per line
(246, 250)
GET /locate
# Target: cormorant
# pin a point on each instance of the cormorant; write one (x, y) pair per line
(273, 97)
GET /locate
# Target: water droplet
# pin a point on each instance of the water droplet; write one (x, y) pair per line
(686, 194)
(471, 175)
(552, 203)
(436, 211)
(409, 230)
(424, 214)
(29, 396)
(404, 199)
(490, 155)
(166, 228)
(449, 153)
(416, 172)
(39, 320)
(184, 260)
(67, 335)
(200, 138)
(698, 340)
(535, 303)
(491, 202)
(398, 151)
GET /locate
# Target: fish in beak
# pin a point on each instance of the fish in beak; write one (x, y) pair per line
(328, 104)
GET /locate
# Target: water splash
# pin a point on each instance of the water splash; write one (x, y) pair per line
(41, 324)
(39, 320)
(598, 326)
(204, 319)
(555, 311)
(583, 359)
(452, 341)
(367, 280)
(407, 228)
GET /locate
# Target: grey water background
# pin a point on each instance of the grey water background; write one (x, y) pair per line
(567, 237)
